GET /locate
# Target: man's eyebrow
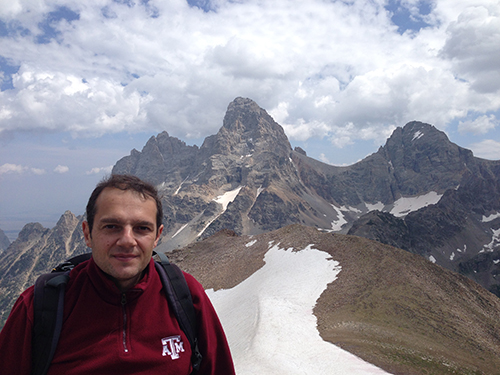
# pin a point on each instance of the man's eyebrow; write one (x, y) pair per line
(113, 220)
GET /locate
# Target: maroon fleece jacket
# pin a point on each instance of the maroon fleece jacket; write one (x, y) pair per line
(109, 332)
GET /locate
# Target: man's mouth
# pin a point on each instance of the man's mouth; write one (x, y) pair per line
(124, 257)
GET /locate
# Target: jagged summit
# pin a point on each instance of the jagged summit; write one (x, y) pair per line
(162, 155)
(422, 156)
(247, 132)
(250, 126)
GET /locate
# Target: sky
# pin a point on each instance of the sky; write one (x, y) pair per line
(268, 318)
(83, 83)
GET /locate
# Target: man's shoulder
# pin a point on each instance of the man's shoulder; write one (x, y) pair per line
(26, 297)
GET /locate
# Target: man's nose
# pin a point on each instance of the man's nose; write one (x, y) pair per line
(127, 237)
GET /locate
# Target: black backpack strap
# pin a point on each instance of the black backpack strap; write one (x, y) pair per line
(48, 313)
(72, 262)
(179, 298)
(48, 317)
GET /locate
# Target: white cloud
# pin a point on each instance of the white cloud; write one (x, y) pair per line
(61, 169)
(324, 159)
(319, 67)
(473, 45)
(480, 125)
(10, 7)
(98, 170)
(38, 171)
(487, 149)
(11, 168)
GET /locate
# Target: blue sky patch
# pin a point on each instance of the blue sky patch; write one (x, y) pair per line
(8, 69)
(49, 25)
(204, 5)
(406, 19)
(13, 28)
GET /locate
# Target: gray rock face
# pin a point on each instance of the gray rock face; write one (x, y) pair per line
(422, 159)
(455, 232)
(161, 156)
(37, 250)
(250, 154)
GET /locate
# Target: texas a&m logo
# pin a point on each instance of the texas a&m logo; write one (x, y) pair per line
(172, 346)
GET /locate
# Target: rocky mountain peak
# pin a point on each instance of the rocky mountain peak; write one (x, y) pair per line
(31, 230)
(422, 156)
(67, 219)
(247, 128)
(162, 155)
(421, 139)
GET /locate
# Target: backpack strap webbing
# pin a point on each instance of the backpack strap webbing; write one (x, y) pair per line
(179, 298)
(48, 317)
(48, 313)
(69, 264)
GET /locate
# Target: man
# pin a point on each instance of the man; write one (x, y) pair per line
(116, 316)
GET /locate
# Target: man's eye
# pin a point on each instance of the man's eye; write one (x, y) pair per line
(110, 226)
(144, 229)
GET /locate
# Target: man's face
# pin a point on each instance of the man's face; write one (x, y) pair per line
(124, 235)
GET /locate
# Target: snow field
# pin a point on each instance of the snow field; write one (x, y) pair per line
(269, 321)
(405, 205)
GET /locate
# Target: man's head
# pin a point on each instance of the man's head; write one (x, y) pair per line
(124, 182)
(123, 227)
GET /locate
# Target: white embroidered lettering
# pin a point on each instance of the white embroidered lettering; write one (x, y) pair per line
(172, 346)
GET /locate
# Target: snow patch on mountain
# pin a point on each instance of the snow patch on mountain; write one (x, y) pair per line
(180, 230)
(251, 243)
(337, 224)
(487, 219)
(418, 134)
(224, 200)
(379, 206)
(269, 321)
(495, 242)
(405, 205)
(227, 198)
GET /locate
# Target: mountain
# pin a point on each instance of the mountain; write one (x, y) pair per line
(4, 241)
(419, 192)
(461, 231)
(37, 250)
(247, 164)
(389, 307)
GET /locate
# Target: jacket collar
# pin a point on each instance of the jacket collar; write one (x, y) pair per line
(109, 292)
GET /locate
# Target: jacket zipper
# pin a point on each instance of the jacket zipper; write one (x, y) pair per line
(124, 333)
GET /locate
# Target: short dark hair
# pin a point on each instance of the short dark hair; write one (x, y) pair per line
(124, 182)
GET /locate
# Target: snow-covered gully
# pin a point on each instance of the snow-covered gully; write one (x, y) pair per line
(269, 318)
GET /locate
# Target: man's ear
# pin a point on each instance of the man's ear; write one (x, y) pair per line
(158, 234)
(86, 234)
